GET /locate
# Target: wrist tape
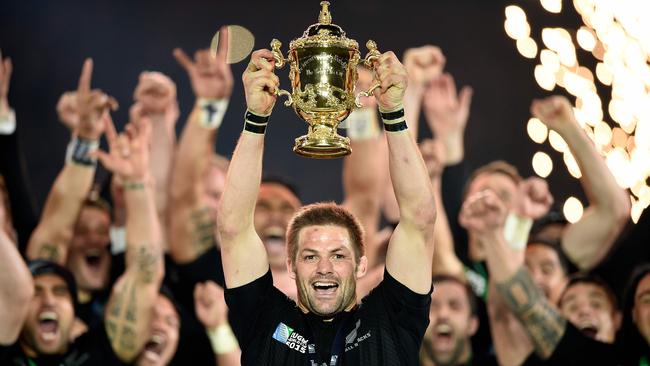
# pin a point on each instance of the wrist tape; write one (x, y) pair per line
(362, 124)
(516, 230)
(222, 339)
(394, 121)
(8, 122)
(211, 112)
(255, 123)
(79, 150)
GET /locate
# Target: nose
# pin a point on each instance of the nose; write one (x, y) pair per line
(584, 309)
(324, 266)
(48, 298)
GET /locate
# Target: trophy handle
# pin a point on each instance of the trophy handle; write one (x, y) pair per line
(289, 100)
(277, 53)
(373, 54)
(279, 63)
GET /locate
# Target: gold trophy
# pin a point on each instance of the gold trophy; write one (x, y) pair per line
(323, 76)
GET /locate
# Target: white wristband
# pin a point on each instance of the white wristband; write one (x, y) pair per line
(516, 230)
(223, 340)
(8, 123)
(362, 124)
(211, 112)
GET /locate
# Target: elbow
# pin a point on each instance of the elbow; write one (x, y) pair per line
(422, 215)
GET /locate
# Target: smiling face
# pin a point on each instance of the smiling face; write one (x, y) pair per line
(275, 206)
(451, 324)
(325, 269)
(50, 317)
(89, 258)
(544, 266)
(162, 344)
(588, 307)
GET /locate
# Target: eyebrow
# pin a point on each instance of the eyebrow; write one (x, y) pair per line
(310, 250)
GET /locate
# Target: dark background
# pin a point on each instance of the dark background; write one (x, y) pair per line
(48, 41)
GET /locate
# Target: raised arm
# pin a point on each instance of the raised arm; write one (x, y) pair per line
(485, 214)
(155, 98)
(54, 231)
(192, 217)
(587, 241)
(243, 254)
(410, 250)
(130, 307)
(16, 290)
(365, 170)
(423, 65)
(445, 260)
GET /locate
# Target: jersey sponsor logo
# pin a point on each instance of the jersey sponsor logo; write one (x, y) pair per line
(287, 336)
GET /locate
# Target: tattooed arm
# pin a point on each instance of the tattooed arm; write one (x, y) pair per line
(485, 214)
(54, 231)
(193, 202)
(130, 308)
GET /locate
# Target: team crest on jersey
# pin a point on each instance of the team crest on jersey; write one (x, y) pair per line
(287, 336)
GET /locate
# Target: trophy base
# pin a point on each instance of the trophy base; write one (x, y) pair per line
(331, 147)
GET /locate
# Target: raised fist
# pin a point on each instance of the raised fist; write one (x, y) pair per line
(423, 65)
(393, 79)
(555, 112)
(260, 83)
(535, 198)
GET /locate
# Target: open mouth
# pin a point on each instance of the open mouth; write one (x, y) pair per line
(325, 287)
(94, 258)
(48, 325)
(153, 349)
(443, 331)
(589, 330)
(274, 235)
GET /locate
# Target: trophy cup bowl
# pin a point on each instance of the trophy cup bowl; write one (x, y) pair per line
(323, 73)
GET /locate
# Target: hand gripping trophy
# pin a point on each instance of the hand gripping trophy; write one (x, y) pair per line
(323, 76)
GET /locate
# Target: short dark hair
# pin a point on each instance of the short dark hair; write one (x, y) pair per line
(556, 246)
(282, 181)
(591, 279)
(42, 267)
(324, 213)
(498, 166)
(471, 297)
(553, 217)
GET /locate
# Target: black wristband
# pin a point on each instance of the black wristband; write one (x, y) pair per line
(255, 123)
(395, 127)
(394, 121)
(256, 118)
(79, 151)
(392, 115)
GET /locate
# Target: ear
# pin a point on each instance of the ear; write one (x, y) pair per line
(473, 325)
(618, 320)
(362, 267)
(292, 274)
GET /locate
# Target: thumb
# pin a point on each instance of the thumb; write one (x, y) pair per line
(465, 96)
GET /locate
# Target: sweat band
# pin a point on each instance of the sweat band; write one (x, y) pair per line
(394, 121)
(211, 112)
(255, 123)
(8, 122)
(361, 124)
(516, 230)
(79, 150)
(222, 339)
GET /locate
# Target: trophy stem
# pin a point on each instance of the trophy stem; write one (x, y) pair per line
(322, 142)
